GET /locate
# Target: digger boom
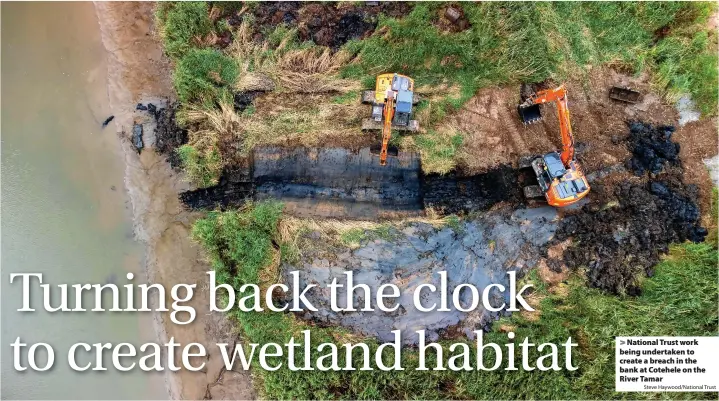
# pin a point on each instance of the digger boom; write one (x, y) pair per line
(559, 95)
(386, 128)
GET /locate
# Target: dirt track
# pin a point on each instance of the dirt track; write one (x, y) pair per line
(497, 136)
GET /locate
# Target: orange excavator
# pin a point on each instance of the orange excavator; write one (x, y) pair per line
(560, 178)
(392, 102)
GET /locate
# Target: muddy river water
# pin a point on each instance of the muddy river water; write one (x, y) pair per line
(64, 207)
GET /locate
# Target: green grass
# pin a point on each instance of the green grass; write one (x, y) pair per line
(530, 42)
(346, 98)
(202, 76)
(181, 23)
(203, 168)
(438, 150)
(454, 222)
(679, 300)
(355, 236)
(239, 243)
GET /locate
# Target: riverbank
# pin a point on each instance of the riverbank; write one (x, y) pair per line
(138, 72)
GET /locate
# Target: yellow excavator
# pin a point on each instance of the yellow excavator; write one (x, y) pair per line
(560, 178)
(392, 102)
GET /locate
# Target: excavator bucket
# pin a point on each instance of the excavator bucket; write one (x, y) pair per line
(624, 94)
(377, 149)
(529, 114)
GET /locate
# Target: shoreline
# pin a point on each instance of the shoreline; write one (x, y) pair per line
(138, 72)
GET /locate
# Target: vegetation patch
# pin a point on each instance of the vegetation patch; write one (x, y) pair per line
(438, 149)
(202, 76)
(183, 25)
(202, 165)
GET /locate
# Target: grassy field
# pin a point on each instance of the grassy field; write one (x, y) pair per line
(531, 42)
(506, 43)
(679, 300)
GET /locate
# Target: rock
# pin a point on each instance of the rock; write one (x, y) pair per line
(452, 14)
(107, 121)
(140, 106)
(137, 137)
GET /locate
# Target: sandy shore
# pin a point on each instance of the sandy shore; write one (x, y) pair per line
(138, 72)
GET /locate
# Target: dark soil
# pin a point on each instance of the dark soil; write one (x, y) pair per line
(243, 100)
(452, 193)
(618, 243)
(168, 135)
(226, 195)
(652, 148)
(326, 24)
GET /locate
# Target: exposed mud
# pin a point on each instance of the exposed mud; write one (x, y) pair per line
(495, 134)
(452, 193)
(168, 135)
(620, 243)
(478, 252)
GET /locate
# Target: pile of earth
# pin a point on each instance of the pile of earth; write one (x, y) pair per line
(628, 235)
(327, 24)
(651, 147)
(168, 135)
(455, 193)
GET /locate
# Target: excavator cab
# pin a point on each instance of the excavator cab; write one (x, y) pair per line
(559, 185)
(403, 108)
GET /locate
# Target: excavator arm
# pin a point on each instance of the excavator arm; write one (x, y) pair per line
(559, 95)
(386, 127)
